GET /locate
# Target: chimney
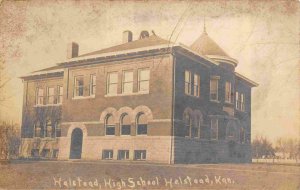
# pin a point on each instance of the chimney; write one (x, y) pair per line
(73, 50)
(127, 36)
(144, 34)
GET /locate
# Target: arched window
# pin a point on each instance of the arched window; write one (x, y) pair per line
(48, 131)
(109, 125)
(37, 129)
(187, 125)
(142, 124)
(125, 124)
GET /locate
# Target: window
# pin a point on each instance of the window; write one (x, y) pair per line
(50, 95)
(92, 85)
(123, 154)
(55, 153)
(59, 94)
(242, 135)
(230, 131)
(143, 80)
(237, 100)
(37, 129)
(109, 125)
(125, 125)
(187, 125)
(142, 124)
(214, 89)
(196, 85)
(127, 82)
(228, 92)
(242, 102)
(39, 96)
(140, 154)
(112, 83)
(35, 152)
(107, 154)
(214, 129)
(57, 129)
(78, 86)
(48, 131)
(187, 82)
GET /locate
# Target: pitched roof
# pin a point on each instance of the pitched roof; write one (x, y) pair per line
(152, 40)
(204, 45)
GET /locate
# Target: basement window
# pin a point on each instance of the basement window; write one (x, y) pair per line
(140, 154)
(107, 154)
(123, 155)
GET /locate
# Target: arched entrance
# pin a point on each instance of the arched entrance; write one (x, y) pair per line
(76, 144)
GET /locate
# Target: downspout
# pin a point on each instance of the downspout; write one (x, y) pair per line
(173, 108)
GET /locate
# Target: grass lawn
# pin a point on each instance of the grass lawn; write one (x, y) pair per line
(140, 175)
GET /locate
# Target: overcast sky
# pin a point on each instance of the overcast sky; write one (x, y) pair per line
(262, 36)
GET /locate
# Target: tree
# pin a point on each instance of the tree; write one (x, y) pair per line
(9, 141)
(262, 147)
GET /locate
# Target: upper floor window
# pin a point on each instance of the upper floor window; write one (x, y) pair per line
(39, 96)
(109, 125)
(112, 83)
(78, 86)
(50, 95)
(142, 124)
(125, 125)
(187, 82)
(127, 82)
(143, 80)
(228, 97)
(196, 85)
(92, 86)
(214, 83)
(59, 94)
(214, 129)
(48, 129)
(240, 101)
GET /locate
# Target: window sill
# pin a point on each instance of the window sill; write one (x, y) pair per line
(191, 95)
(228, 103)
(46, 105)
(215, 101)
(83, 97)
(127, 94)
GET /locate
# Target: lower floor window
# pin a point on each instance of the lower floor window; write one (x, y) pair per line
(125, 129)
(55, 153)
(107, 154)
(35, 152)
(45, 153)
(110, 130)
(142, 129)
(123, 154)
(140, 154)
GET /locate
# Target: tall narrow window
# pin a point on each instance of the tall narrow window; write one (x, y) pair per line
(228, 92)
(187, 125)
(57, 129)
(242, 135)
(50, 95)
(187, 82)
(214, 89)
(242, 102)
(214, 129)
(196, 85)
(37, 129)
(109, 125)
(143, 80)
(78, 86)
(237, 100)
(48, 131)
(39, 96)
(59, 94)
(125, 125)
(92, 85)
(127, 82)
(142, 124)
(112, 83)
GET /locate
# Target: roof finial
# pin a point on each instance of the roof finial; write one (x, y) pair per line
(204, 26)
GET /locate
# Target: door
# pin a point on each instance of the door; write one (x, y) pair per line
(76, 144)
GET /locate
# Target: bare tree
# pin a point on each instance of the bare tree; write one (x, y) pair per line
(262, 147)
(9, 141)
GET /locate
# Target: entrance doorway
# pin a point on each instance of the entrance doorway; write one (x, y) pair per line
(76, 144)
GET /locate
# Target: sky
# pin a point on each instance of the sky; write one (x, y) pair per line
(262, 35)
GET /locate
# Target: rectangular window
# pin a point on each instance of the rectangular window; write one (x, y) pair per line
(242, 102)
(143, 80)
(57, 129)
(50, 95)
(112, 83)
(59, 94)
(78, 86)
(214, 129)
(196, 85)
(107, 154)
(228, 92)
(48, 131)
(39, 96)
(37, 130)
(125, 130)
(237, 100)
(140, 154)
(123, 155)
(142, 129)
(92, 85)
(187, 83)
(214, 89)
(110, 129)
(127, 82)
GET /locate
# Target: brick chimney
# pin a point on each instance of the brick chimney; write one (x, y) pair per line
(72, 51)
(127, 36)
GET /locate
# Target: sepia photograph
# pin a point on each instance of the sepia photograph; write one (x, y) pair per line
(130, 95)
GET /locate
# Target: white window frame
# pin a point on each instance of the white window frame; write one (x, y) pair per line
(211, 91)
(126, 155)
(92, 85)
(144, 80)
(228, 90)
(110, 154)
(197, 85)
(59, 94)
(187, 82)
(211, 128)
(77, 88)
(242, 102)
(124, 81)
(50, 96)
(142, 155)
(109, 83)
(39, 97)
